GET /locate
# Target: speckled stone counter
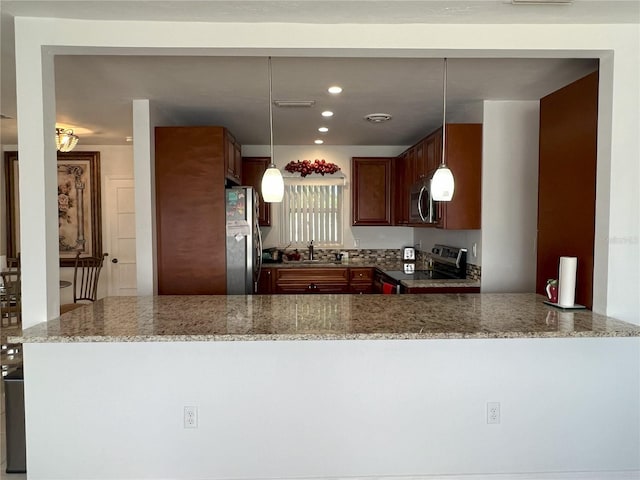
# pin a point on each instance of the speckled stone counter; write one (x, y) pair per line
(321, 317)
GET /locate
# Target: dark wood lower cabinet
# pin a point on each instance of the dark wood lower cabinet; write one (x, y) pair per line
(265, 282)
(311, 280)
(355, 280)
(361, 280)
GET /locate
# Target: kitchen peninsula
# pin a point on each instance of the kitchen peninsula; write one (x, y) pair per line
(292, 386)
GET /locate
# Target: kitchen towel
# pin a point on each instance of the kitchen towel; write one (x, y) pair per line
(567, 281)
(387, 288)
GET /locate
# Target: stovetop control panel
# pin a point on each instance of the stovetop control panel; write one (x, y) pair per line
(450, 255)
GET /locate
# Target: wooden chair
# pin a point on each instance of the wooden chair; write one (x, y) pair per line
(13, 263)
(11, 298)
(86, 274)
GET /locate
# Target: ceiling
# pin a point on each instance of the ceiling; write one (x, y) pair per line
(94, 93)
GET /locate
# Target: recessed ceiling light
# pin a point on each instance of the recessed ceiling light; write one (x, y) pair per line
(378, 117)
(318, 142)
(327, 113)
(335, 89)
(323, 129)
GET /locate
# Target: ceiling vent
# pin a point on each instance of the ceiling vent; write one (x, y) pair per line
(294, 103)
(377, 117)
(541, 2)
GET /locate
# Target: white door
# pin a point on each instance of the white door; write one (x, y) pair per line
(121, 236)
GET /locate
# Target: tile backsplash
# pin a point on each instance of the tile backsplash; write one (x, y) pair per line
(377, 256)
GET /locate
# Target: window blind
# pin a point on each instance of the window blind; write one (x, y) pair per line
(312, 212)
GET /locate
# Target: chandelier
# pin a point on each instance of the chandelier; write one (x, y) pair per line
(66, 140)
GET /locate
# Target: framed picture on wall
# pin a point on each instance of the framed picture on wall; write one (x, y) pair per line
(79, 208)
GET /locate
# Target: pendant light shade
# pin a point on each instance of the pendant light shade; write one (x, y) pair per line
(272, 182)
(442, 182)
(272, 185)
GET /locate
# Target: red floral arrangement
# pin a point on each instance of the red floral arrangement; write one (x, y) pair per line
(305, 167)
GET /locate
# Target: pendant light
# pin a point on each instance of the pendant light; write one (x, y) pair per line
(272, 183)
(442, 183)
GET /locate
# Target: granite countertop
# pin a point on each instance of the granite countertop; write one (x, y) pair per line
(321, 317)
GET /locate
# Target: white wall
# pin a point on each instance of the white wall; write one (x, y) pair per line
(146, 116)
(115, 160)
(368, 237)
(327, 409)
(617, 209)
(509, 195)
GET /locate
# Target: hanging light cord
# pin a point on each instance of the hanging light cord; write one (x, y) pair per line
(271, 114)
(444, 110)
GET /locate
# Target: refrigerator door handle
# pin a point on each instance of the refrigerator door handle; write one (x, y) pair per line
(259, 255)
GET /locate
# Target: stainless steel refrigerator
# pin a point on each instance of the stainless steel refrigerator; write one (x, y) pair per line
(244, 243)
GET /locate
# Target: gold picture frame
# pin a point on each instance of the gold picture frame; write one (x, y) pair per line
(79, 205)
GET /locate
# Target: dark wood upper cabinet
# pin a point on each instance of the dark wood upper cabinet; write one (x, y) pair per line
(232, 158)
(433, 152)
(371, 191)
(464, 159)
(567, 183)
(252, 170)
(401, 187)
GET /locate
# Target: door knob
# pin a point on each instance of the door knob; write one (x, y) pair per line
(115, 260)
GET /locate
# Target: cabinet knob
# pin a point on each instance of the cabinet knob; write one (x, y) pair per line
(115, 260)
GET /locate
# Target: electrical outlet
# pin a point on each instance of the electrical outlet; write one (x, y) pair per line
(493, 412)
(190, 417)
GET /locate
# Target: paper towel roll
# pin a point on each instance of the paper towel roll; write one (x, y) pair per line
(567, 281)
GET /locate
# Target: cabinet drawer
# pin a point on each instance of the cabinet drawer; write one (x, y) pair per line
(361, 288)
(364, 275)
(311, 288)
(311, 275)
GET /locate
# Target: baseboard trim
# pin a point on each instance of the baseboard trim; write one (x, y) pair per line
(607, 475)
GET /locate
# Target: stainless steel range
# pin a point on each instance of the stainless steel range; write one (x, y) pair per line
(446, 263)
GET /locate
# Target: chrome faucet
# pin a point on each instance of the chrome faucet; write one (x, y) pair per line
(311, 250)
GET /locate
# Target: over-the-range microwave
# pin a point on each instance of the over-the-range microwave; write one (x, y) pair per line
(422, 206)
